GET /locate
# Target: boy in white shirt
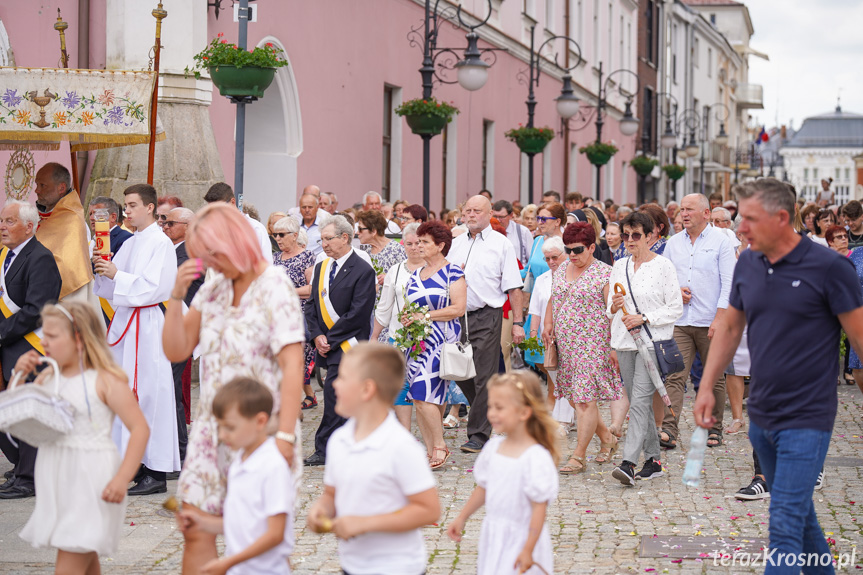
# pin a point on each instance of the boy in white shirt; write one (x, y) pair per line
(378, 488)
(257, 522)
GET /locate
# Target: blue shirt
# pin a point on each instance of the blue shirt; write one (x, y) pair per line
(791, 308)
(706, 268)
(313, 233)
(536, 262)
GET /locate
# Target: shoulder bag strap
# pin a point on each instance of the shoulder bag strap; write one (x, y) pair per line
(632, 295)
(446, 324)
(395, 287)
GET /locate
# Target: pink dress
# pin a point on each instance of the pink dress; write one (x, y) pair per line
(583, 335)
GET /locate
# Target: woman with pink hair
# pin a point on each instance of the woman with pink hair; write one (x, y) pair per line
(246, 322)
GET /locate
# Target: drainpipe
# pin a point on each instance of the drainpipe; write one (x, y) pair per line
(565, 123)
(83, 158)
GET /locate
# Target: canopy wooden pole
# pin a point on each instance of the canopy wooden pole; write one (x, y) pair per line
(61, 26)
(159, 13)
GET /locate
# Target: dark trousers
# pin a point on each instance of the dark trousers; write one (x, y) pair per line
(178, 370)
(23, 457)
(484, 325)
(331, 420)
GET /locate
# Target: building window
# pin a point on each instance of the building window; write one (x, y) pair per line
(610, 59)
(647, 119)
(696, 52)
(549, 16)
(805, 174)
(674, 53)
(444, 136)
(620, 42)
(596, 57)
(837, 174)
(530, 7)
(713, 19)
(847, 174)
(710, 62)
(580, 15)
(651, 32)
(815, 174)
(387, 155)
(488, 155)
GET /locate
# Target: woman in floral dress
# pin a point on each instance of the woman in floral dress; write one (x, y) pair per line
(441, 286)
(246, 322)
(575, 320)
(298, 263)
(384, 252)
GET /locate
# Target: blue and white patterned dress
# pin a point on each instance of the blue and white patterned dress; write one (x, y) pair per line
(423, 372)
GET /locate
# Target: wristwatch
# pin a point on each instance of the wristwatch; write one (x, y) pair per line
(518, 323)
(644, 318)
(285, 436)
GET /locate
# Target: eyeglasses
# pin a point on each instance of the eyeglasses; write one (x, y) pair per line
(362, 229)
(172, 224)
(542, 219)
(162, 217)
(840, 237)
(328, 239)
(635, 236)
(552, 258)
(721, 221)
(576, 250)
(280, 235)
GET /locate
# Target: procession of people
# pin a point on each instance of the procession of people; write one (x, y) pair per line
(387, 304)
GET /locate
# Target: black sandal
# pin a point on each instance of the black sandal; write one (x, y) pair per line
(714, 437)
(670, 443)
(309, 402)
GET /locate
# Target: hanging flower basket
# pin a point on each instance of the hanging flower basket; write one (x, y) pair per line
(237, 72)
(643, 165)
(531, 141)
(240, 82)
(599, 153)
(674, 171)
(427, 116)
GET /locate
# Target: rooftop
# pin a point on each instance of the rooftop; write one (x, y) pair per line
(837, 129)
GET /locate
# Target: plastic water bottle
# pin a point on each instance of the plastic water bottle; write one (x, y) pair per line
(695, 458)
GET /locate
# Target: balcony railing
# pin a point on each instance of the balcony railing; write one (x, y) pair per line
(750, 96)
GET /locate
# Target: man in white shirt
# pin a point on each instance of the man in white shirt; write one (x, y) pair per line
(703, 256)
(373, 201)
(310, 220)
(491, 270)
(312, 190)
(222, 192)
(517, 234)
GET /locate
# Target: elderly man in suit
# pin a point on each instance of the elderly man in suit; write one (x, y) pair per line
(337, 316)
(29, 278)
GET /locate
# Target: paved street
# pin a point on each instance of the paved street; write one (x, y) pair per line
(597, 525)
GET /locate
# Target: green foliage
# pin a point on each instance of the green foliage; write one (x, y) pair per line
(427, 107)
(598, 148)
(532, 344)
(674, 171)
(220, 52)
(643, 165)
(523, 133)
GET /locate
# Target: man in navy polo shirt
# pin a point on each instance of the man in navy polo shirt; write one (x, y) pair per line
(795, 296)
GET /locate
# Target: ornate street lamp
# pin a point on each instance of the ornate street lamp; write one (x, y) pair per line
(567, 103)
(471, 72)
(628, 123)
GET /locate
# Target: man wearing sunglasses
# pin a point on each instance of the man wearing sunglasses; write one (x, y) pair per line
(703, 256)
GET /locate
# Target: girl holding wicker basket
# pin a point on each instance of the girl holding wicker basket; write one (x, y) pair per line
(81, 481)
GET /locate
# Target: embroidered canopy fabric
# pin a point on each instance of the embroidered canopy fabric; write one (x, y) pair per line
(91, 109)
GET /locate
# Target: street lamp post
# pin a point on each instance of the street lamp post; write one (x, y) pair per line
(567, 103)
(628, 123)
(472, 71)
(696, 124)
(241, 101)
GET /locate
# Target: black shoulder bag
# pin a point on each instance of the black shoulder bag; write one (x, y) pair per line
(668, 357)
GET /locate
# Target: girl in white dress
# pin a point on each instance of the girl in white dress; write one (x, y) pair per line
(80, 482)
(516, 478)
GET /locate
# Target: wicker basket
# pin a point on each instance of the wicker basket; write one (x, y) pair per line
(34, 414)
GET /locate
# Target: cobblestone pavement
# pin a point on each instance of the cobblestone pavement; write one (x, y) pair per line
(597, 525)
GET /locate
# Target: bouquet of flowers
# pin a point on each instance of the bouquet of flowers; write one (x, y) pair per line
(411, 338)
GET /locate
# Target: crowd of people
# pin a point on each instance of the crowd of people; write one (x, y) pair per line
(566, 305)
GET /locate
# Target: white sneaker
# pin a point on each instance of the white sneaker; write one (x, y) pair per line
(819, 483)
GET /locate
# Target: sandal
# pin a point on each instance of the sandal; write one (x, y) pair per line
(569, 469)
(605, 456)
(437, 463)
(670, 442)
(450, 422)
(735, 427)
(715, 438)
(310, 401)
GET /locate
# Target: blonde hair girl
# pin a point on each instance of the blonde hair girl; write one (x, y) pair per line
(516, 476)
(80, 479)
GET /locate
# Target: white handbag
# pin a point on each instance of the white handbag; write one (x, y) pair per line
(456, 359)
(35, 414)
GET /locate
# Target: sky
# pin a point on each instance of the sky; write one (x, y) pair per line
(816, 51)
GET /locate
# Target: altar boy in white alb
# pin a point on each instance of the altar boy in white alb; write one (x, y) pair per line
(136, 281)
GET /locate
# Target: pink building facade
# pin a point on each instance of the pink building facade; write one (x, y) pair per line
(328, 118)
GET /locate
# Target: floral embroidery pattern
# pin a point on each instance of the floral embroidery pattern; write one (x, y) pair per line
(11, 98)
(111, 109)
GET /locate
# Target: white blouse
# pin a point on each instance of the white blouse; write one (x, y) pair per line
(658, 294)
(539, 299)
(393, 297)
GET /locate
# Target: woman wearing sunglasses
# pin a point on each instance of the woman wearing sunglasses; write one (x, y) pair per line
(575, 321)
(653, 285)
(550, 220)
(298, 263)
